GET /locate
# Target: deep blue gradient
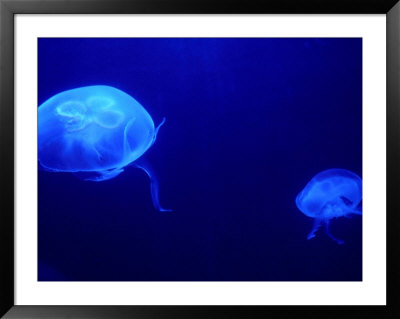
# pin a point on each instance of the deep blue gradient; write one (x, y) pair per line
(249, 123)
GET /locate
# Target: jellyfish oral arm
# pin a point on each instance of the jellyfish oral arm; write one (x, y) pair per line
(328, 212)
(328, 232)
(316, 226)
(154, 185)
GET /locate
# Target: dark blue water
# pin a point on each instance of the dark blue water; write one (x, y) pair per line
(248, 123)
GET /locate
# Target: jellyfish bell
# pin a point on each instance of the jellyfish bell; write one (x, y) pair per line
(95, 128)
(330, 194)
(94, 132)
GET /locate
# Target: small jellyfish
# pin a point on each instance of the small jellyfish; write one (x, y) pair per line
(94, 132)
(330, 194)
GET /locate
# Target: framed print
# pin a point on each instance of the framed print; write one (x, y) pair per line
(166, 159)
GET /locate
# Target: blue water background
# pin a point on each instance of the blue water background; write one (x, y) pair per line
(248, 123)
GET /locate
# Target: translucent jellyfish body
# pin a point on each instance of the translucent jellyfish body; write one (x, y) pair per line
(94, 132)
(330, 194)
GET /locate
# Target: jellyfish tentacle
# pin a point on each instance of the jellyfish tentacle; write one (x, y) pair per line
(328, 232)
(157, 129)
(316, 226)
(154, 185)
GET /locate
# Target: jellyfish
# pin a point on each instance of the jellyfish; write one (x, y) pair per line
(330, 194)
(95, 132)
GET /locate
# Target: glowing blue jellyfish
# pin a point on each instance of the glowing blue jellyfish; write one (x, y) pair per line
(94, 132)
(330, 194)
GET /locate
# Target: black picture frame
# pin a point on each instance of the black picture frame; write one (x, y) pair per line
(8, 8)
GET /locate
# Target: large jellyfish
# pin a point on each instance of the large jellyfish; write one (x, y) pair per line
(94, 132)
(330, 194)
